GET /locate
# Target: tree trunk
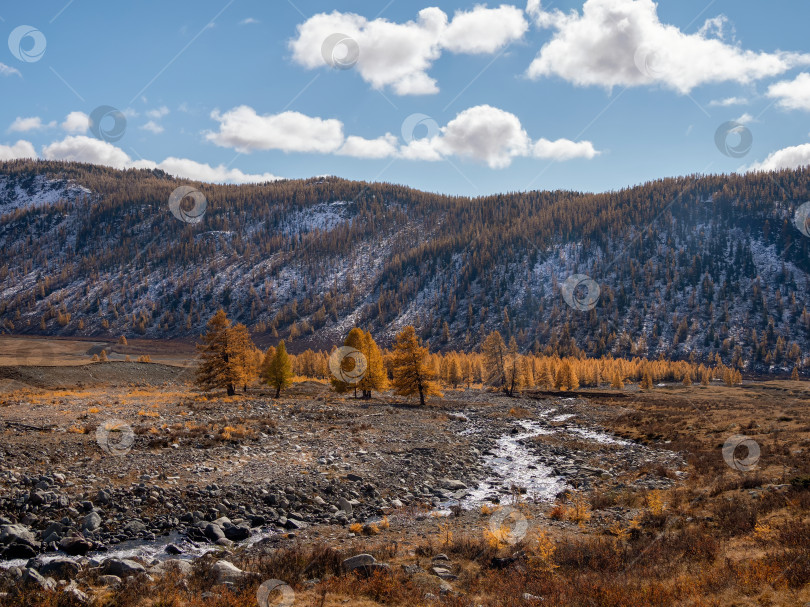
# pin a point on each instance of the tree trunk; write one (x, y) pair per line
(421, 396)
(278, 391)
(231, 390)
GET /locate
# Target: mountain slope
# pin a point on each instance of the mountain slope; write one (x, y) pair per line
(696, 266)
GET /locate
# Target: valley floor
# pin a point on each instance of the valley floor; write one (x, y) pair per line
(125, 487)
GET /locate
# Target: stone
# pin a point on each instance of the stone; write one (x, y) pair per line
(32, 576)
(59, 568)
(17, 534)
(443, 573)
(358, 561)
(213, 532)
(91, 522)
(75, 546)
(372, 569)
(110, 580)
(226, 572)
(122, 567)
(237, 533)
(17, 551)
(346, 506)
(294, 524)
(173, 549)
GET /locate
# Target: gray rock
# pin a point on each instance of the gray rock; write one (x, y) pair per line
(75, 546)
(32, 576)
(91, 522)
(213, 532)
(110, 580)
(59, 568)
(237, 533)
(357, 561)
(122, 567)
(226, 572)
(17, 534)
(346, 506)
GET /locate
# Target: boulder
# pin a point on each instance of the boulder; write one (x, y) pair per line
(358, 561)
(18, 534)
(122, 567)
(226, 572)
(91, 522)
(213, 532)
(59, 568)
(75, 546)
(346, 506)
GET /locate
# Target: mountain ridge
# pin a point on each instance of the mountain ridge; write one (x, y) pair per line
(695, 266)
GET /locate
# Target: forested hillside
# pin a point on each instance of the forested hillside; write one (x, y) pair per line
(691, 267)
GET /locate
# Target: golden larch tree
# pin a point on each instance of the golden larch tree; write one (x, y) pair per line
(413, 373)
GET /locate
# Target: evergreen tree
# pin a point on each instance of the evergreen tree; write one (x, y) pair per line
(413, 373)
(454, 375)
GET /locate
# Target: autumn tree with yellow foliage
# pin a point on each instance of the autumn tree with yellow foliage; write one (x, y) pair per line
(413, 373)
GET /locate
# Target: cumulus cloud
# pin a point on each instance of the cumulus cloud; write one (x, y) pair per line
(95, 151)
(6, 70)
(152, 127)
(21, 149)
(23, 125)
(249, 21)
(76, 122)
(358, 147)
(623, 43)
(483, 133)
(792, 94)
(494, 137)
(787, 158)
(399, 55)
(246, 131)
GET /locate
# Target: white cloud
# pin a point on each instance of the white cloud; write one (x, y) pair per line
(728, 101)
(788, 158)
(244, 130)
(494, 137)
(152, 127)
(399, 55)
(189, 169)
(158, 112)
(6, 70)
(23, 125)
(484, 31)
(792, 94)
(21, 149)
(483, 133)
(249, 21)
(358, 147)
(79, 148)
(746, 118)
(76, 122)
(95, 151)
(623, 43)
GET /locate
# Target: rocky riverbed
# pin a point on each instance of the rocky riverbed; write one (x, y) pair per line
(203, 475)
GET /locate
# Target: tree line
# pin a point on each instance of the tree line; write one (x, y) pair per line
(230, 360)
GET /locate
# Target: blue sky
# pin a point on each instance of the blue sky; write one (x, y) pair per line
(584, 95)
